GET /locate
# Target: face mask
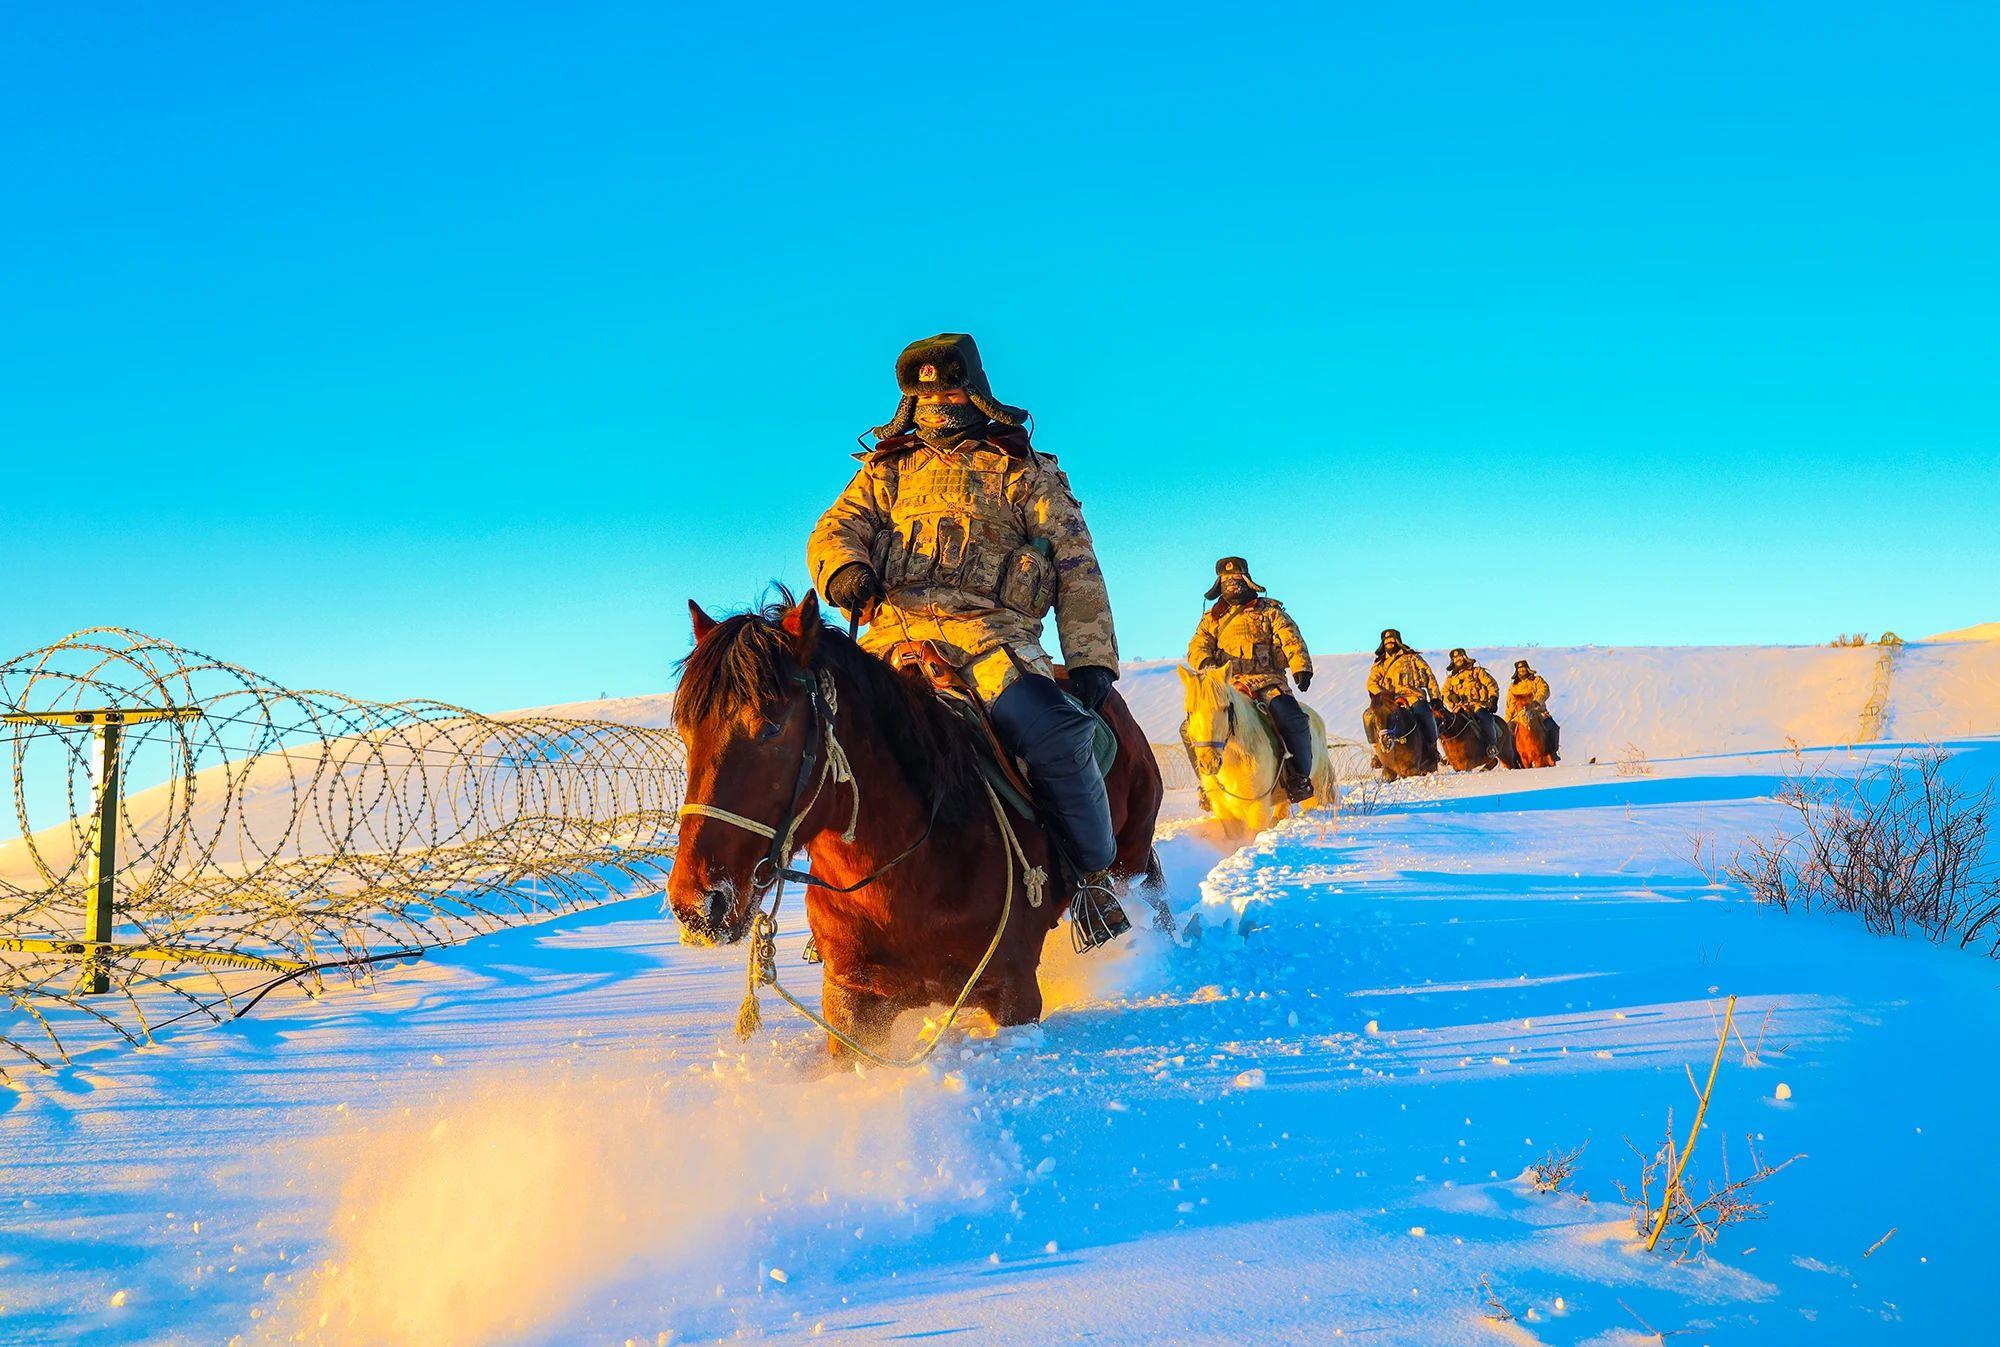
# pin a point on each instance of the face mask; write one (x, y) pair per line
(941, 420)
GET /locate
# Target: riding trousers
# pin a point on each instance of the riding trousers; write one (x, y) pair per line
(1294, 728)
(1040, 724)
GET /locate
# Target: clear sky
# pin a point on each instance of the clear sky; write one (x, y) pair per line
(446, 350)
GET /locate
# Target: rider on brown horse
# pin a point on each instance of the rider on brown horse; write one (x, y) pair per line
(958, 535)
(1255, 640)
(1529, 696)
(1401, 672)
(1469, 687)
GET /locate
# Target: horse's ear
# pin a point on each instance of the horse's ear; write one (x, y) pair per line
(802, 624)
(703, 623)
(1187, 676)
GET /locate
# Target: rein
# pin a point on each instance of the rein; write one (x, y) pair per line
(822, 700)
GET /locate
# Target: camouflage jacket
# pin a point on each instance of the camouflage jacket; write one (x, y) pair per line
(1526, 692)
(1404, 675)
(1255, 641)
(1471, 689)
(973, 545)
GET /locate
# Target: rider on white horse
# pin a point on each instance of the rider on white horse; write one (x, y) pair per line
(1256, 643)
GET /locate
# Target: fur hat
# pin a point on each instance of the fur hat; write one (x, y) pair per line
(1382, 646)
(1521, 666)
(935, 364)
(1229, 566)
(1457, 654)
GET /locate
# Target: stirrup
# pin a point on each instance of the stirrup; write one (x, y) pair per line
(1298, 786)
(1095, 915)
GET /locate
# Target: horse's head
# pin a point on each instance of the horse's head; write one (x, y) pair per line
(747, 714)
(1392, 718)
(1210, 721)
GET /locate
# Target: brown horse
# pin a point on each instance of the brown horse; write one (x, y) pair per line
(1475, 741)
(1400, 745)
(911, 864)
(1536, 736)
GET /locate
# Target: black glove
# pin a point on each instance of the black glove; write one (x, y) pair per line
(1091, 684)
(1304, 678)
(853, 587)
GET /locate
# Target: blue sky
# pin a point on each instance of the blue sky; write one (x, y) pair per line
(431, 350)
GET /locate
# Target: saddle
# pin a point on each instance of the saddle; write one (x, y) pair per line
(1002, 770)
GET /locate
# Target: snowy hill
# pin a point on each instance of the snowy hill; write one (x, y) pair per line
(1676, 701)
(1984, 631)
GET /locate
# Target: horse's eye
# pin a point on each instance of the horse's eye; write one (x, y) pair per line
(768, 731)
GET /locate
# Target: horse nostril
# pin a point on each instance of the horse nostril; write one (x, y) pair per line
(715, 909)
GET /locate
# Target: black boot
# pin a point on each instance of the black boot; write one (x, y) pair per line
(1056, 738)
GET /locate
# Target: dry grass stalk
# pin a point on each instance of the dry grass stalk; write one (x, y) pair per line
(1702, 855)
(1493, 1308)
(1687, 1151)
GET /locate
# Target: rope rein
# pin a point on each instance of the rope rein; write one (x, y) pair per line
(763, 970)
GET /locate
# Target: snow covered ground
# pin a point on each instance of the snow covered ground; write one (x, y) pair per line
(1308, 1124)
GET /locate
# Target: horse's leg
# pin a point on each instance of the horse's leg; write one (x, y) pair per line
(1015, 998)
(862, 1013)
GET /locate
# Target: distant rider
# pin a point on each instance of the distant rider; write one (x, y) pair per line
(1469, 687)
(1255, 641)
(1403, 674)
(1529, 695)
(958, 533)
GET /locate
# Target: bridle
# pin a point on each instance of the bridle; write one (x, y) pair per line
(1222, 744)
(1386, 739)
(821, 759)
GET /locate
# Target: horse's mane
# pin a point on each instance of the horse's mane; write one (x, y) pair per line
(748, 660)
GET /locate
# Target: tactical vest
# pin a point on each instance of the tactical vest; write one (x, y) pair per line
(1264, 657)
(952, 528)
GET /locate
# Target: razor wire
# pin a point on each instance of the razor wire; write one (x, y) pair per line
(276, 835)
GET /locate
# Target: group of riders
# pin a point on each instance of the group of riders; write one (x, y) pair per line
(956, 537)
(1257, 645)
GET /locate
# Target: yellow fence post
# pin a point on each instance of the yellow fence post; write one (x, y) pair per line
(107, 727)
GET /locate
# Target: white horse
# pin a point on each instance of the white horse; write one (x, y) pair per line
(1237, 754)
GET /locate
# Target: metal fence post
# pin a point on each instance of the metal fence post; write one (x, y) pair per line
(97, 929)
(99, 917)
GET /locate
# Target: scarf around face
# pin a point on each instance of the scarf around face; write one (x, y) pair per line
(944, 424)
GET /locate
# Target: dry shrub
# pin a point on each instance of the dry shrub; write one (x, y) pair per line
(1902, 847)
(1694, 1224)
(1553, 1171)
(1633, 762)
